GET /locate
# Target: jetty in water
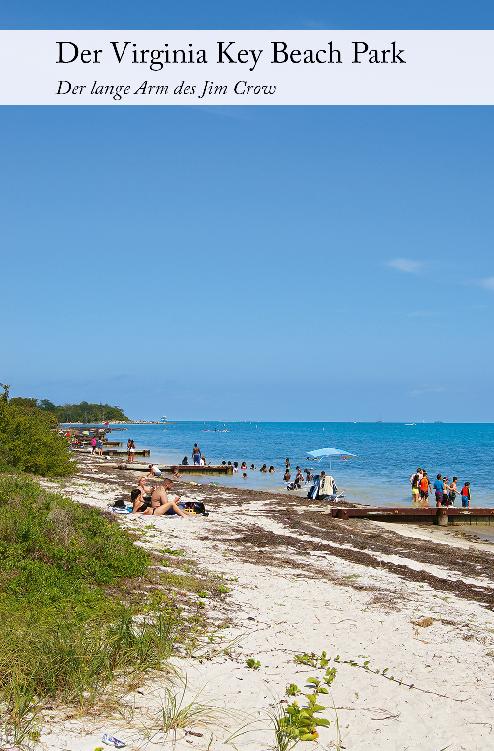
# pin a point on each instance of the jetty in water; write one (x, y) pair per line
(441, 516)
(117, 452)
(184, 469)
(114, 452)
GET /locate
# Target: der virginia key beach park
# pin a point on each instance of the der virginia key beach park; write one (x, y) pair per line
(246, 368)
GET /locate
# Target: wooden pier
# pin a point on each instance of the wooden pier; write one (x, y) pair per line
(87, 442)
(113, 452)
(187, 469)
(441, 516)
(117, 452)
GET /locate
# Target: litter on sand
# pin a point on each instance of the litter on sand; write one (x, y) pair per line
(110, 740)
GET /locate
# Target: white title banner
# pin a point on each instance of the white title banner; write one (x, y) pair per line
(247, 67)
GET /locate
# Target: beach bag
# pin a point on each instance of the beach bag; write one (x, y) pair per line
(193, 507)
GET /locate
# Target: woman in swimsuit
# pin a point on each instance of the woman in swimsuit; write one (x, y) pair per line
(140, 502)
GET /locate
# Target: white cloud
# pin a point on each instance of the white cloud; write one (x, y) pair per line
(487, 283)
(405, 264)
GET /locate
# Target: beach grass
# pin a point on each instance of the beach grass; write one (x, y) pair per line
(80, 604)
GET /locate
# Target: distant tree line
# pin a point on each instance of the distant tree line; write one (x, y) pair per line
(82, 412)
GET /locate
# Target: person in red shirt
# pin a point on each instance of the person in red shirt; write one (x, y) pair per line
(424, 488)
(466, 495)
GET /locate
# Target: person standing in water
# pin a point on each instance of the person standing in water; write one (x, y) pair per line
(299, 479)
(415, 481)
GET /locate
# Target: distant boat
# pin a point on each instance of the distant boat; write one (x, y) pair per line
(164, 419)
(410, 423)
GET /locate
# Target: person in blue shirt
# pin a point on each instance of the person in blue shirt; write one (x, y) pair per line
(439, 489)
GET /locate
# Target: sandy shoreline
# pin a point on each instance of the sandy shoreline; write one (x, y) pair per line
(300, 582)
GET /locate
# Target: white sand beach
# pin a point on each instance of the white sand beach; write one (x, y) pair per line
(416, 603)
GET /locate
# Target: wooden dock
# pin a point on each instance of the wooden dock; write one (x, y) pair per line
(117, 452)
(441, 516)
(188, 469)
(87, 442)
(113, 452)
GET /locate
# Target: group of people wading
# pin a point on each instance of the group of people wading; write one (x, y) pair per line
(445, 491)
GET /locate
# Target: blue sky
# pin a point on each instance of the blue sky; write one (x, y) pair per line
(237, 263)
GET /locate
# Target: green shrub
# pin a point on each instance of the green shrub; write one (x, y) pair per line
(70, 605)
(29, 441)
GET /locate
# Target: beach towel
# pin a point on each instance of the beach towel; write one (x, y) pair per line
(314, 488)
(119, 510)
(327, 486)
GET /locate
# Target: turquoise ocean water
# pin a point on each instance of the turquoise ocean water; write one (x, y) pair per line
(387, 453)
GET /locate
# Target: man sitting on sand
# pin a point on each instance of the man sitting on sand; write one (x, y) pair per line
(158, 503)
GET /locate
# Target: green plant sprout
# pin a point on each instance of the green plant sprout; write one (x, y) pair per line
(312, 660)
(294, 723)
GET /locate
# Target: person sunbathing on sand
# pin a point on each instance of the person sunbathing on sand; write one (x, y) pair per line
(161, 504)
(141, 496)
(154, 501)
(139, 501)
(145, 487)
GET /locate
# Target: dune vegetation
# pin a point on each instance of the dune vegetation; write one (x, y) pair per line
(80, 605)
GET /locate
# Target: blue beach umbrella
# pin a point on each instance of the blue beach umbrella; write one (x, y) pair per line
(331, 452)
